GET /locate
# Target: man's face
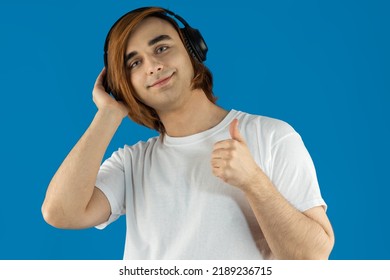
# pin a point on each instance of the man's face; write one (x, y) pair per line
(159, 65)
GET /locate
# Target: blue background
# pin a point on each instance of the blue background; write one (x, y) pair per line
(322, 66)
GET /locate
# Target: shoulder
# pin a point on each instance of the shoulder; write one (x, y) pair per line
(137, 149)
(266, 127)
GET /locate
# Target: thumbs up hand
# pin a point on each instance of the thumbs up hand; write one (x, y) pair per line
(232, 161)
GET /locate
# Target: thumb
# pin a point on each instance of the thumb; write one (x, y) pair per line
(234, 132)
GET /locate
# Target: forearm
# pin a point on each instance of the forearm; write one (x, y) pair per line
(72, 186)
(290, 233)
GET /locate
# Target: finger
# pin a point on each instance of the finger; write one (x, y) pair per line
(216, 162)
(224, 154)
(100, 78)
(220, 173)
(217, 171)
(235, 132)
(224, 144)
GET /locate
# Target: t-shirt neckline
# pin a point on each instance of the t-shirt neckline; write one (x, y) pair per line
(191, 139)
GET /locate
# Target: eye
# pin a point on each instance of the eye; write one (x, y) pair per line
(134, 64)
(161, 49)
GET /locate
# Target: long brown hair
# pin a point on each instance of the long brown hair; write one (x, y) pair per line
(118, 76)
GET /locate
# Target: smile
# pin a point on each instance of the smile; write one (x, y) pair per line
(161, 82)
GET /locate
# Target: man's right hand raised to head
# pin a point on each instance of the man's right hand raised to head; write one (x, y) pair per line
(104, 101)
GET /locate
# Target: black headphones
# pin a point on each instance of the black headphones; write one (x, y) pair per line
(194, 41)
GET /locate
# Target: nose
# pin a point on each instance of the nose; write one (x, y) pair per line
(154, 67)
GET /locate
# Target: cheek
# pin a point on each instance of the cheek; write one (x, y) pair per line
(190, 69)
(182, 60)
(137, 85)
(186, 67)
(136, 82)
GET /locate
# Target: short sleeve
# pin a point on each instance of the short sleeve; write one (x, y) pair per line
(293, 173)
(111, 181)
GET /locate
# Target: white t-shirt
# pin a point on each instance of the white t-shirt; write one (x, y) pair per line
(177, 209)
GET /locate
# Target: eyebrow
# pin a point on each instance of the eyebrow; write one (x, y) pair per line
(158, 39)
(150, 43)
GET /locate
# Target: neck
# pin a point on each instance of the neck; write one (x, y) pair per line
(197, 115)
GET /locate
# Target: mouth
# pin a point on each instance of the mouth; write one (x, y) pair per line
(161, 82)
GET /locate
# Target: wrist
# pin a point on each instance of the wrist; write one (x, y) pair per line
(257, 183)
(109, 116)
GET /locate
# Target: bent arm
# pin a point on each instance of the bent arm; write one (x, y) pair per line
(290, 234)
(72, 200)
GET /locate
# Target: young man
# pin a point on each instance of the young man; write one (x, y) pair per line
(215, 184)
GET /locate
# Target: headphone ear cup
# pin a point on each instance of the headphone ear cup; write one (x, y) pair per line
(107, 87)
(195, 43)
